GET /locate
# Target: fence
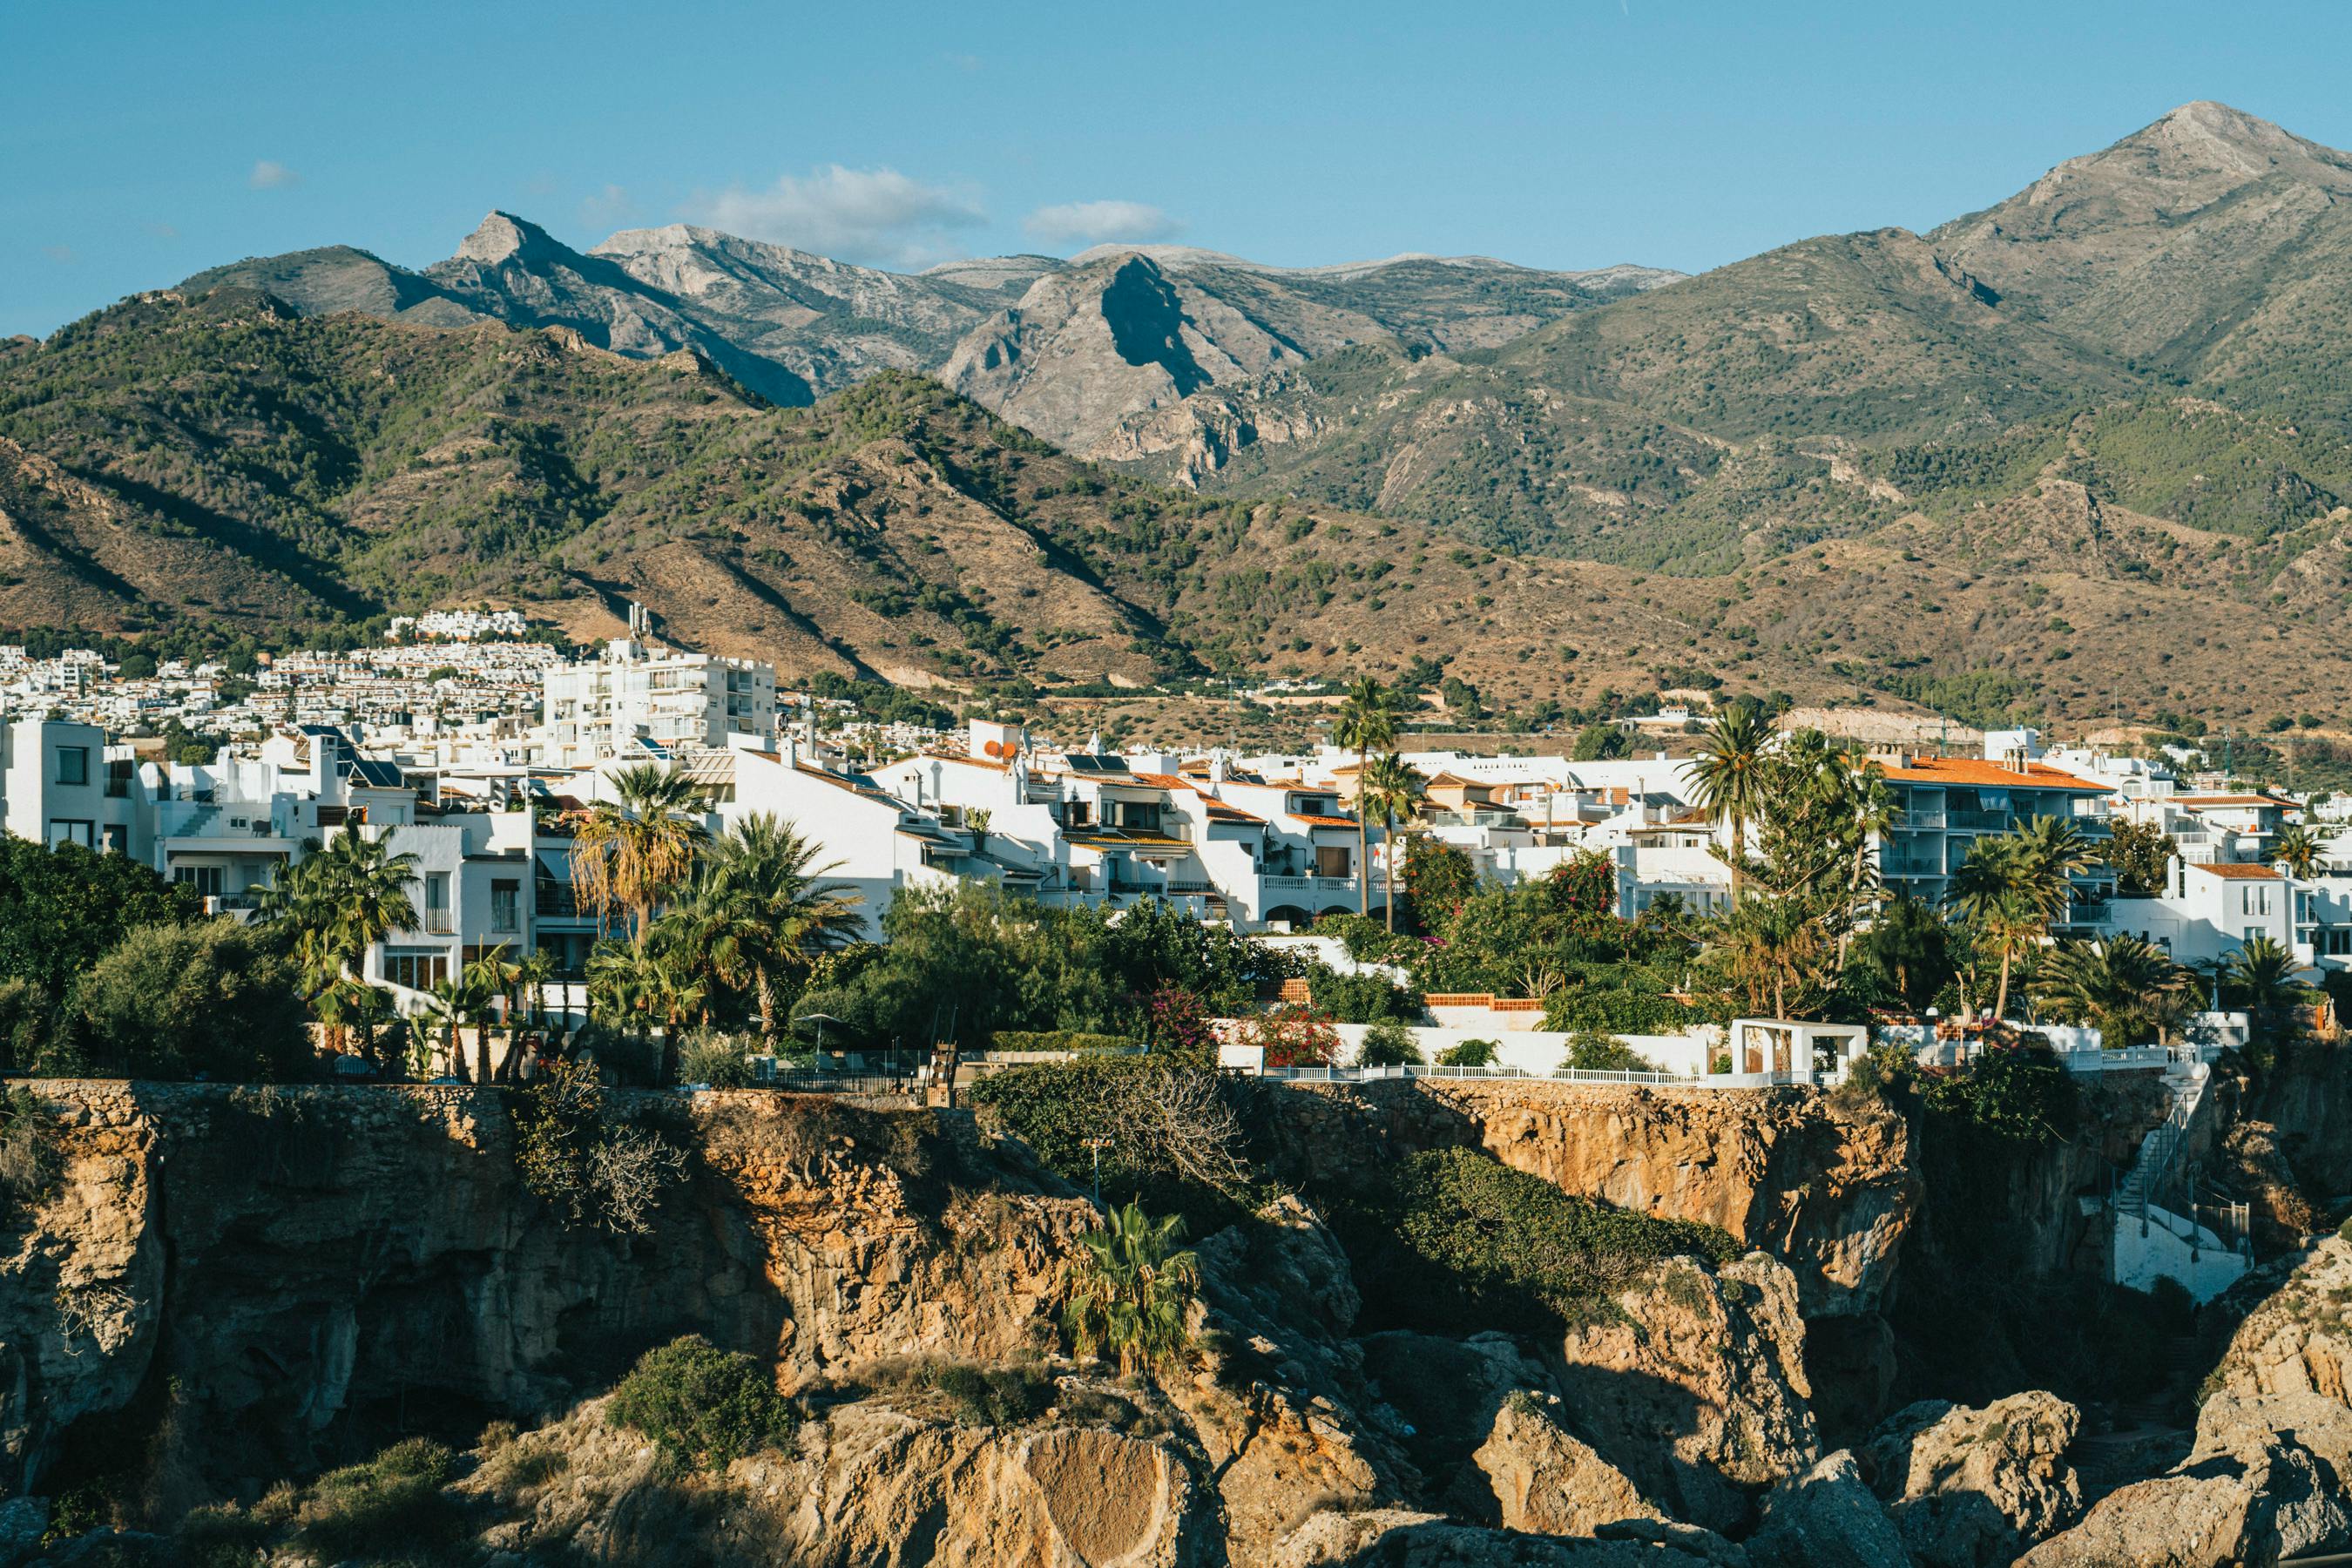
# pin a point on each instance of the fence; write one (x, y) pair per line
(1566, 1075)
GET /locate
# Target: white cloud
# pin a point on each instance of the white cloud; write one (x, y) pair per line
(269, 175)
(608, 208)
(1098, 222)
(853, 214)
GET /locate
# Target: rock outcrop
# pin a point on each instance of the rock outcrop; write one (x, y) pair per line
(1827, 1189)
(1542, 1479)
(1973, 1489)
(1696, 1386)
(1826, 1517)
(299, 1262)
(2270, 1475)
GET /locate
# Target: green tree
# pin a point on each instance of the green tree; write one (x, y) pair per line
(1599, 743)
(1728, 776)
(1133, 1291)
(2139, 853)
(1367, 723)
(1438, 878)
(62, 907)
(2264, 976)
(1908, 948)
(207, 997)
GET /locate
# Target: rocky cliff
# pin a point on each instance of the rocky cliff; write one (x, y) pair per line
(1828, 1189)
(310, 1268)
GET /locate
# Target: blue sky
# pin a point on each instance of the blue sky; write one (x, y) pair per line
(140, 142)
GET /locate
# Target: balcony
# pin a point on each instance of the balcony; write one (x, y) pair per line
(1917, 822)
(1978, 821)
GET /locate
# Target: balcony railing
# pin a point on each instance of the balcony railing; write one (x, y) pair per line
(1978, 821)
(1917, 822)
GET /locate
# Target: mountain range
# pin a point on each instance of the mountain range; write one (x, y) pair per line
(2083, 453)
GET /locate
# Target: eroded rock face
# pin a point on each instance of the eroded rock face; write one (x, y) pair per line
(1697, 1388)
(869, 1484)
(318, 1255)
(1828, 1190)
(1826, 1517)
(2270, 1475)
(1973, 1489)
(2300, 1340)
(1543, 1479)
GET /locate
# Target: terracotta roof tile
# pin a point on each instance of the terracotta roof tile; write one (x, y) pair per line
(1972, 770)
(2234, 872)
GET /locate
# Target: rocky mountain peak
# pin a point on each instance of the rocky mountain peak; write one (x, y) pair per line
(501, 236)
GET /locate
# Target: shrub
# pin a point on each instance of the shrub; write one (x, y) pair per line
(991, 1396)
(1470, 1054)
(720, 1060)
(1388, 1044)
(701, 1405)
(1169, 1123)
(1458, 1235)
(209, 997)
(1061, 1040)
(1367, 996)
(28, 1025)
(395, 1497)
(29, 1150)
(2014, 1091)
(1877, 1075)
(1293, 1036)
(588, 1170)
(1590, 1050)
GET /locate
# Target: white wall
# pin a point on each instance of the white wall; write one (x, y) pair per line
(2169, 1247)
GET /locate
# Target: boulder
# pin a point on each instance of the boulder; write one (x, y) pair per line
(2269, 1502)
(1693, 1383)
(1827, 1518)
(1535, 1476)
(1972, 1488)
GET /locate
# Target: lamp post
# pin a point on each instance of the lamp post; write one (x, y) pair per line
(1095, 1146)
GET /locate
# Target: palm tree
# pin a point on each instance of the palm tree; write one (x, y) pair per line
(452, 996)
(1988, 887)
(1771, 943)
(2266, 975)
(1728, 778)
(490, 978)
(2120, 986)
(2051, 850)
(1135, 1285)
(1392, 787)
(2299, 850)
(342, 900)
(1367, 722)
(770, 908)
(629, 854)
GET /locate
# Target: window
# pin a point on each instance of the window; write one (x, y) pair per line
(437, 901)
(118, 777)
(63, 831)
(506, 906)
(2253, 933)
(73, 764)
(417, 968)
(117, 836)
(1331, 860)
(204, 880)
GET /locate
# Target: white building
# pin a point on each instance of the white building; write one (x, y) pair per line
(638, 692)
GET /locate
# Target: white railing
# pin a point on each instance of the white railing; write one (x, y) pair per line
(1565, 1075)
